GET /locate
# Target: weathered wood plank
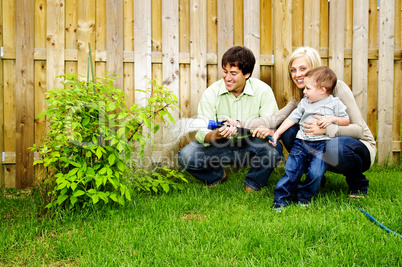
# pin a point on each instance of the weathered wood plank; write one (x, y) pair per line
(252, 31)
(9, 75)
(170, 48)
(40, 88)
(1, 98)
(142, 48)
(297, 24)
(24, 91)
(198, 35)
(282, 50)
(239, 8)
(312, 23)
(55, 43)
(324, 24)
(114, 33)
(225, 27)
(100, 39)
(185, 38)
(360, 54)
(397, 95)
(128, 43)
(85, 34)
(385, 80)
(337, 37)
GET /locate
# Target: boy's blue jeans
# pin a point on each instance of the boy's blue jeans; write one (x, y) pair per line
(205, 162)
(344, 155)
(304, 157)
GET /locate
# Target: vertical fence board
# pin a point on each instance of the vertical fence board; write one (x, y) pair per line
(324, 24)
(360, 54)
(372, 70)
(9, 119)
(142, 48)
(55, 43)
(297, 24)
(170, 48)
(266, 39)
(1, 98)
(41, 39)
(24, 91)
(71, 33)
(128, 45)
(85, 34)
(212, 42)
(198, 37)
(185, 90)
(114, 35)
(40, 104)
(337, 37)
(282, 50)
(396, 123)
(252, 31)
(239, 9)
(385, 81)
(225, 27)
(156, 30)
(9, 90)
(312, 23)
(347, 70)
(100, 37)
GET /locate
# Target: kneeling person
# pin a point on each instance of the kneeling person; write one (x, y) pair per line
(239, 97)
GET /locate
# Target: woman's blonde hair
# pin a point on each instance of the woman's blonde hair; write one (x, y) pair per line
(313, 58)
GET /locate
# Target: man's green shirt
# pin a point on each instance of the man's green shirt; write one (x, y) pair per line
(217, 103)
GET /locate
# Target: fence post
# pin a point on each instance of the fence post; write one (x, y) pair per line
(337, 37)
(24, 92)
(360, 54)
(252, 31)
(385, 80)
(282, 50)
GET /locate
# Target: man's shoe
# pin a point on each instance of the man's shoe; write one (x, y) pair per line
(250, 190)
(357, 195)
(224, 179)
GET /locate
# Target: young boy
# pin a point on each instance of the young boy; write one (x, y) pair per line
(306, 155)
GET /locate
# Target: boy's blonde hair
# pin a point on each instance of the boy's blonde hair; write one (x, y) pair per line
(323, 77)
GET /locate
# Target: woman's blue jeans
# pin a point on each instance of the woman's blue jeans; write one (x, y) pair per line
(206, 162)
(304, 157)
(344, 155)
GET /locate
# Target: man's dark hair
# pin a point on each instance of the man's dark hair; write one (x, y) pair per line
(240, 57)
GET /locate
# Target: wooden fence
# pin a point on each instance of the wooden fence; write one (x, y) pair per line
(180, 43)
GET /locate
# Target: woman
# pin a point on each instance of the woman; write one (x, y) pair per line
(351, 151)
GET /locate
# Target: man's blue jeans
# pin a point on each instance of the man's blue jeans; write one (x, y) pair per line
(344, 155)
(304, 157)
(205, 162)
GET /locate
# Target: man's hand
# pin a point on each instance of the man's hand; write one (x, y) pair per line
(226, 131)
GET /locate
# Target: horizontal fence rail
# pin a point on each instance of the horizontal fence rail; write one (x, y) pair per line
(180, 43)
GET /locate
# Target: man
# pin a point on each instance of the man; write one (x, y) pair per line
(241, 98)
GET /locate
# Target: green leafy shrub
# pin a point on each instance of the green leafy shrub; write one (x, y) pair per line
(91, 135)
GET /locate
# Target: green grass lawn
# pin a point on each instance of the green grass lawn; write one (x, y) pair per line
(221, 226)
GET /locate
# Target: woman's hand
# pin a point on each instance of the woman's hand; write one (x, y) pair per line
(311, 128)
(262, 132)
